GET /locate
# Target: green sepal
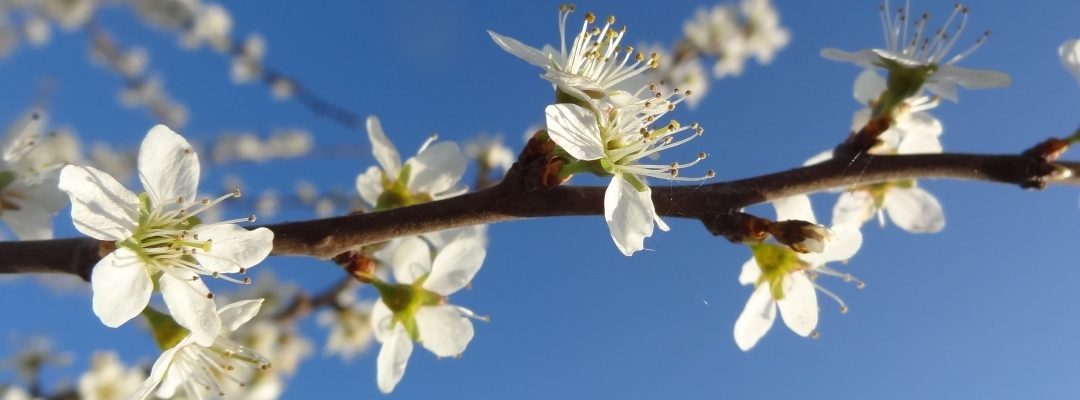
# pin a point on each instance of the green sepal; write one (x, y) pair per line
(562, 97)
(903, 82)
(601, 167)
(404, 300)
(636, 182)
(6, 178)
(167, 333)
(775, 262)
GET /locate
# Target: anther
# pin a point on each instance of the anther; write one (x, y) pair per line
(815, 334)
(242, 270)
(236, 192)
(590, 17)
(701, 155)
(611, 19)
(251, 218)
(210, 296)
(843, 309)
(710, 173)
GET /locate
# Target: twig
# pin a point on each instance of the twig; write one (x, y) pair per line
(514, 198)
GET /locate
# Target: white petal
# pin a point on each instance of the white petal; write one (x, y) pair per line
(972, 78)
(525, 52)
(794, 207)
(412, 259)
(168, 167)
(863, 58)
(799, 308)
(383, 149)
(750, 272)
(191, 307)
(369, 184)
(382, 321)
(455, 266)
(157, 372)
(846, 241)
(1070, 56)
(393, 358)
(232, 247)
(239, 313)
(33, 219)
(574, 128)
(914, 210)
(438, 168)
(122, 287)
(100, 206)
(868, 86)
(443, 330)
(819, 158)
(853, 208)
(756, 318)
(944, 88)
(629, 215)
(919, 144)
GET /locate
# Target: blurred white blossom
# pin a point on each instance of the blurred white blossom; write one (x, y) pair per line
(1070, 56)
(109, 379)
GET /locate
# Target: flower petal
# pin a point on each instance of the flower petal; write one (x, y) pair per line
(1070, 57)
(157, 373)
(525, 52)
(382, 148)
(168, 167)
(862, 58)
(799, 308)
(750, 272)
(756, 318)
(914, 210)
(121, 286)
(438, 168)
(239, 313)
(443, 330)
(382, 321)
(795, 207)
(393, 358)
(854, 207)
(819, 158)
(455, 266)
(869, 86)
(100, 206)
(36, 205)
(846, 241)
(574, 128)
(233, 248)
(411, 260)
(190, 305)
(629, 214)
(369, 184)
(972, 78)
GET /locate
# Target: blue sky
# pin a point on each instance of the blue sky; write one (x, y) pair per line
(984, 309)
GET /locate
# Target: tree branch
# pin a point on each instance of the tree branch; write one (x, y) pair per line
(516, 197)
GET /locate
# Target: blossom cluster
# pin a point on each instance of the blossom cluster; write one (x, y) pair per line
(607, 120)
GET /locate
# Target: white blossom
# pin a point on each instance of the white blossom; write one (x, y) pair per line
(247, 63)
(924, 52)
(28, 177)
(350, 328)
(1070, 56)
(785, 280)
(593, 66)
(159, 240)
(490, 152)
(109, 379)
(913, 131)
(432, 175)
(195, 369)
(617, 138)
(416, 309)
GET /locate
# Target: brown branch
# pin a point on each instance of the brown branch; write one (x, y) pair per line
(517, 198)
